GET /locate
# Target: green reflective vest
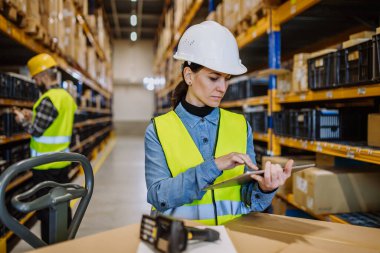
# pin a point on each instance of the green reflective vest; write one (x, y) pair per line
(57, 137)
(181, 153)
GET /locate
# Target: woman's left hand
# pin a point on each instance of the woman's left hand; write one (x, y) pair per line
(274, 176)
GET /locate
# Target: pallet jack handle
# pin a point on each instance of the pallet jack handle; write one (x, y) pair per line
(61, 193)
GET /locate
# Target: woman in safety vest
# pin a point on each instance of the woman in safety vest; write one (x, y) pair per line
(198, 144)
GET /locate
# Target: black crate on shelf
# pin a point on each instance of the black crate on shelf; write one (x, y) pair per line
(256, 88)
(259, 122)
(5, 85)
(309, 124)
(8, 124)
(318, 124)
(322, 71)
(356, 64)
(281, 123)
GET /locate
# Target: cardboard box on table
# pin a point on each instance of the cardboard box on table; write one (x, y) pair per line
(262, 233)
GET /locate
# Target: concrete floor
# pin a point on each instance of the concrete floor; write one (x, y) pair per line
(119, 197)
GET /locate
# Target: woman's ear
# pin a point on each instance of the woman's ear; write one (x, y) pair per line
(188, 76)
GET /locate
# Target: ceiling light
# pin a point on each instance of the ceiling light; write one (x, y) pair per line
(133, 36)
(133, 20)
(133, 0)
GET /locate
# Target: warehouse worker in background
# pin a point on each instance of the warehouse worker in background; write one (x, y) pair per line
(198, 144)
(50, 124)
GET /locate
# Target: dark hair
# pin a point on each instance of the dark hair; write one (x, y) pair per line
(180, 91)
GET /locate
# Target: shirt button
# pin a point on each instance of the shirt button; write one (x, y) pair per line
(257, 196)
(163, 204)
(202, 120)
(205, 140)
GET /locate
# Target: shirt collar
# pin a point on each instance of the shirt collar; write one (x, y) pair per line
(192, 120)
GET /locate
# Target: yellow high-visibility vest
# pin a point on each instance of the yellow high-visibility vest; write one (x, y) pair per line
(57, 137)
(181, 153)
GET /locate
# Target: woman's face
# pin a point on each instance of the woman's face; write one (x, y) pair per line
(206, 87)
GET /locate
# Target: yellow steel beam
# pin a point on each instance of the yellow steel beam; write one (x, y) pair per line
(254, 32)
(357, 153)
(290, 9)
(19, 180)
(230, 104)
(260, 100)
(189, 16)
(336, 219)
(14, 102)
(92, 122)
(280, 15)
(331, 94)
(260, 137)
(94, 109)
(13, 138)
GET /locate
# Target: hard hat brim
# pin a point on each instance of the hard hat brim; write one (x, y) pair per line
(233, 69)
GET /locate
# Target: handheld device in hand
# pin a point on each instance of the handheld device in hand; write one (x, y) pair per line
(170, 235)
(246, 177)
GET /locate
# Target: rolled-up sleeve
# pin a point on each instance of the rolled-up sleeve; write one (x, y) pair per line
(166, 192)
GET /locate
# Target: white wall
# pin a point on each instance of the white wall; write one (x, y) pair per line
(131, 63)
(132, 103)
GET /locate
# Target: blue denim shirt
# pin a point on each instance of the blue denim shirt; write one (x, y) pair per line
(166, 192)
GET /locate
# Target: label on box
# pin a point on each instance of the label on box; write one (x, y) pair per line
(310, 202)
(301, 184)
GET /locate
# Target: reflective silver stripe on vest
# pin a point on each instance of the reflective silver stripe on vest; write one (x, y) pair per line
(34, 153)
(52, 139)
(206, 212)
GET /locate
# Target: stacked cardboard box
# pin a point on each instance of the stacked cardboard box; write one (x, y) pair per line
(284, 83)
(247, 7)
(358, 38)
(231, 14)
(81, 47)
(219, 13)
(91, 62)
(69, 20)
(299, 79)
(373, 129)
(335, 190)
(52, 21)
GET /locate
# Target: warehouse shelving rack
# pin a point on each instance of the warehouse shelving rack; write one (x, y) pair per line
(22, 40)
(271, 25)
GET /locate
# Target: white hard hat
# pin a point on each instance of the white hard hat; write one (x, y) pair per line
(211, 45)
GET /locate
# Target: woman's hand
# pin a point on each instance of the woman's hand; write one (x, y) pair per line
(232, 160)
(274, 176)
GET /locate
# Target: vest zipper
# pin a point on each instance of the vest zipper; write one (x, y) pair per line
(214, 204)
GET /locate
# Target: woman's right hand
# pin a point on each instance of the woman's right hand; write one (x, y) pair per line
(234, 159)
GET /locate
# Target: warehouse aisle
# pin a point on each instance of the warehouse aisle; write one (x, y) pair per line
(120, 194)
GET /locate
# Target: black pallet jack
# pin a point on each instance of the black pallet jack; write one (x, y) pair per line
(57, 200)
